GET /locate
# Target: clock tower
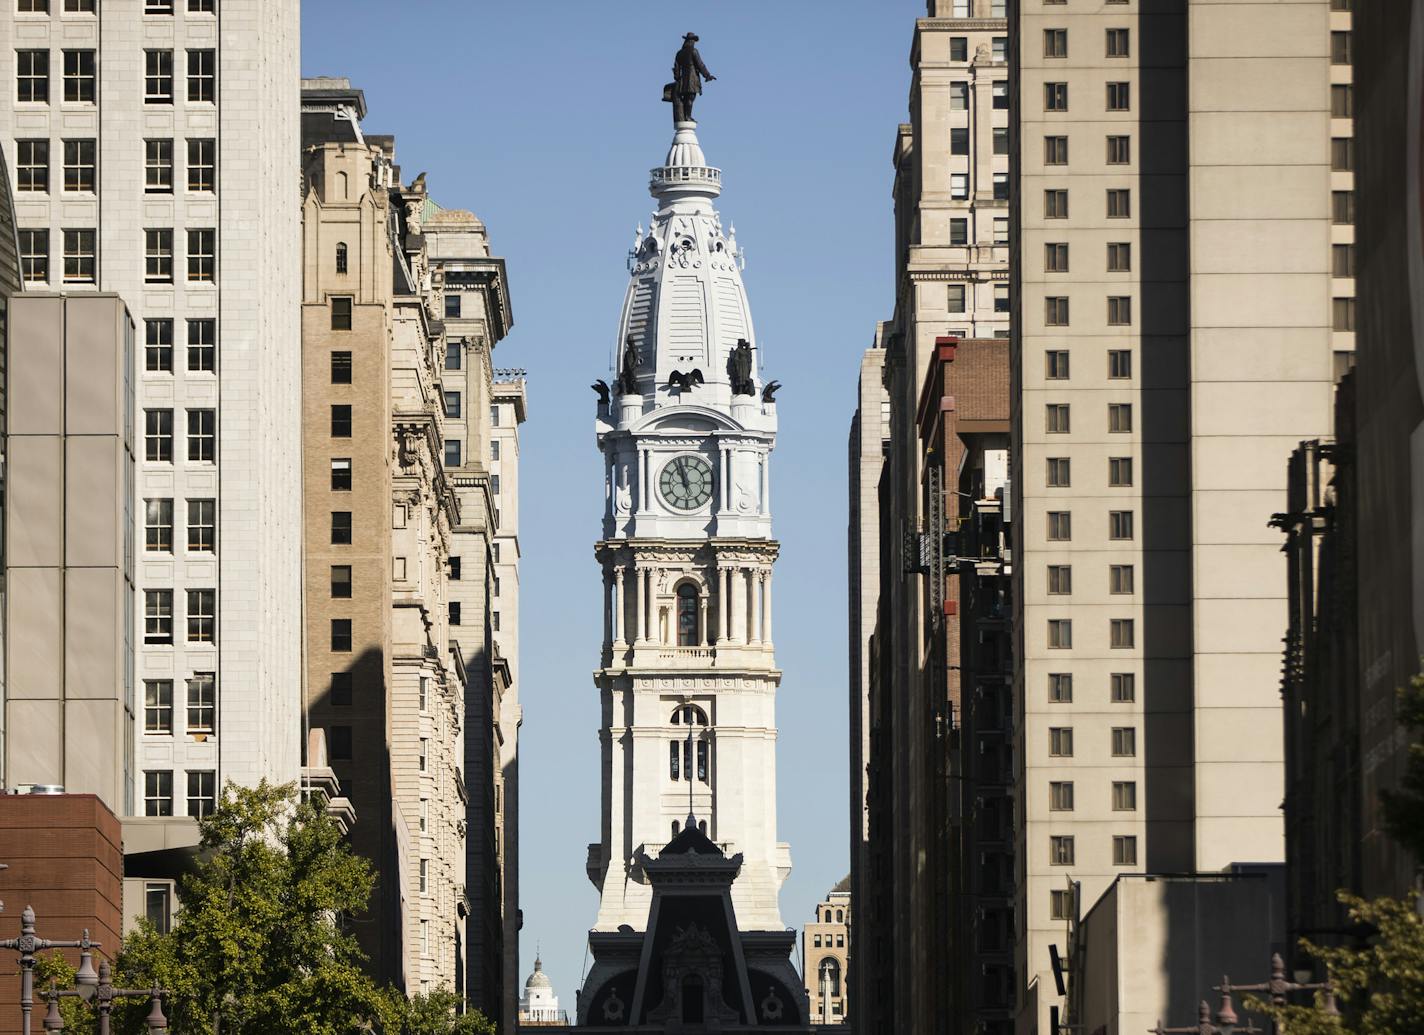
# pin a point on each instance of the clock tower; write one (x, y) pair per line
(688, 676)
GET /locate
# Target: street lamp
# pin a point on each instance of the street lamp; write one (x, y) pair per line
(104, 993)
(1278, 987)
(1226, 1022)
(28, 944)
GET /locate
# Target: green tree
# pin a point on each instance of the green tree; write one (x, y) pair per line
(259, 947)
(1404, 808)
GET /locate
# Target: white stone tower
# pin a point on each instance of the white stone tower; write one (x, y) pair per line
(688, 676)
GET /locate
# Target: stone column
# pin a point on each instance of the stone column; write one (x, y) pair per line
(722, 599)
(702, 620)
(607, 610)
(737, 589)
(642, 479)
(766, 609)
(757, 603)
(640, 599)
(618, 640)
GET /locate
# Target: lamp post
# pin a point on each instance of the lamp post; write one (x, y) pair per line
(28, 944)
(1225, 1022)
(104, 996)
(1278, 987)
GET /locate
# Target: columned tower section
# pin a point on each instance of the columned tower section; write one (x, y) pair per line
(688, 674)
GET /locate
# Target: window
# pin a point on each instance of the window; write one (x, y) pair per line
(1001, 186)
(80, 256)
(1119, 257)
(452, 404)
(1342, 207)
(1119, 524)
(341, 368)
(1119, 417)
(1056, 418)
(340, 743)
(424, 924)
(425, 876)
(1060, 526)
(158, 616)
(1001, 140)
(452, 355)
(1060, 905)
(1060, 472)
(158, 793)
(202, 76)
(341, 313)
(1119, 311)
(1060, 850)
(424, 754)
(1340, 48)
(158, 526)
(959, 186)
(1342, 260)
(202, 792)
(1055, 258)
(203, 436)
(158, 257)
(202, 346)
(1124, 796)
(1001, 298)
(341, 527)
(158, 706)
(341, 689)
(32, 170)
(32, 76)
(158, 436)
(958, 231)
(341, 474)
(80, 166)
(1342, 101)
(1060, 796)
(1119, 150)
(425, 815)
(1055, 204)
(1119, 364)
(1000, 95)
(158, 346)
(1124, 687)
(455, 568)
(959, 96)
(158, 895)
(959, 48)
(687, 617)
(1060, 633)
(158, 77)
(959, 140)
(1124, 851)
(1342, 314)
(158, 7)
(1124, 741)
(341, 261)
(202, 615)
(158, 166)
(1055, 311)
(202, 6)
(494, 620)
(1120, 471)
(202, 526)
(33, 7)
(202, 255)
(1055, 43)
(1060, 579)
(1055, 150)
(455, 615)
(1056, 364)
(202, 702)
(1055, 96)
(340, 420)
(1060, 687)
(341, 635)
(1342, 154)
(1119, 203)
(79, 77)
(1120, 578)
(1119, 97)
(452, 454)
(999, 48)
(203, 166)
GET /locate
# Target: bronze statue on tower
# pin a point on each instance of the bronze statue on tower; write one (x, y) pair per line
(688, 71)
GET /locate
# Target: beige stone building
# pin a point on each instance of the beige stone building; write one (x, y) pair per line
(824, 950)
(1172, 342)
(384, 679)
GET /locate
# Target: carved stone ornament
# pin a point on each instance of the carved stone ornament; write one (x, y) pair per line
(613, 1008)
(692, 953)
(771, 1006)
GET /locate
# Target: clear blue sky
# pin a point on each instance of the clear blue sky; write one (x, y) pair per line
(544, 119)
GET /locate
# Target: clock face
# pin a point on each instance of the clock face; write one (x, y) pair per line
(686, 482)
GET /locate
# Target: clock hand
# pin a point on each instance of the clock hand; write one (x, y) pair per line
(682, 470)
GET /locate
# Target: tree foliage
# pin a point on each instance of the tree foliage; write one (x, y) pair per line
(259, 946)
(1404, 808)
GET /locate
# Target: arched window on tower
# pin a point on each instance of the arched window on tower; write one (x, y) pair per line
(840, 916)
(830, 971)
(341, 257)
(687, 608)
(692, 752)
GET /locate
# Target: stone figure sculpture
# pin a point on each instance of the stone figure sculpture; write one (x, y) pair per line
(685, 381)
(768, 394)
(739, 368)
(628, 373)
(688, 71)
(601, 387)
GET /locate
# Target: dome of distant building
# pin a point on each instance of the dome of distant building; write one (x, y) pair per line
(538, 979)
(539, 1005)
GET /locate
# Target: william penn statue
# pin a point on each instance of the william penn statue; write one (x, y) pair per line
(688, 71)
